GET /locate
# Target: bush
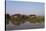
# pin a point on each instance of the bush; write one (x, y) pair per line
(38, 19)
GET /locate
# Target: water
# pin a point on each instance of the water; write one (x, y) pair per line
(26, 25)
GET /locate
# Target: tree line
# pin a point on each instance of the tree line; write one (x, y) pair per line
(17, 19)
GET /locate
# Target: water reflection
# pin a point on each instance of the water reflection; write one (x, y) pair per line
(26, 25)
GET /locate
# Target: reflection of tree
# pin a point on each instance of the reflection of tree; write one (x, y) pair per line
(16, 19)
(24, 18)
(7, 18)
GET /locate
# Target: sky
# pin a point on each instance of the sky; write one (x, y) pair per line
(26, 8)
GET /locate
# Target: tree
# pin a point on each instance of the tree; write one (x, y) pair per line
(7, 16)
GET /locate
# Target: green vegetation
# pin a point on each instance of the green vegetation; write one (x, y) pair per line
(23, 18)
(38, 19)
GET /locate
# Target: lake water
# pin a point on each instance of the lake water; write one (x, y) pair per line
(26, 25)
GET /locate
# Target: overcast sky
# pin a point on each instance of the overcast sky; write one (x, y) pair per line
(27, 8)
